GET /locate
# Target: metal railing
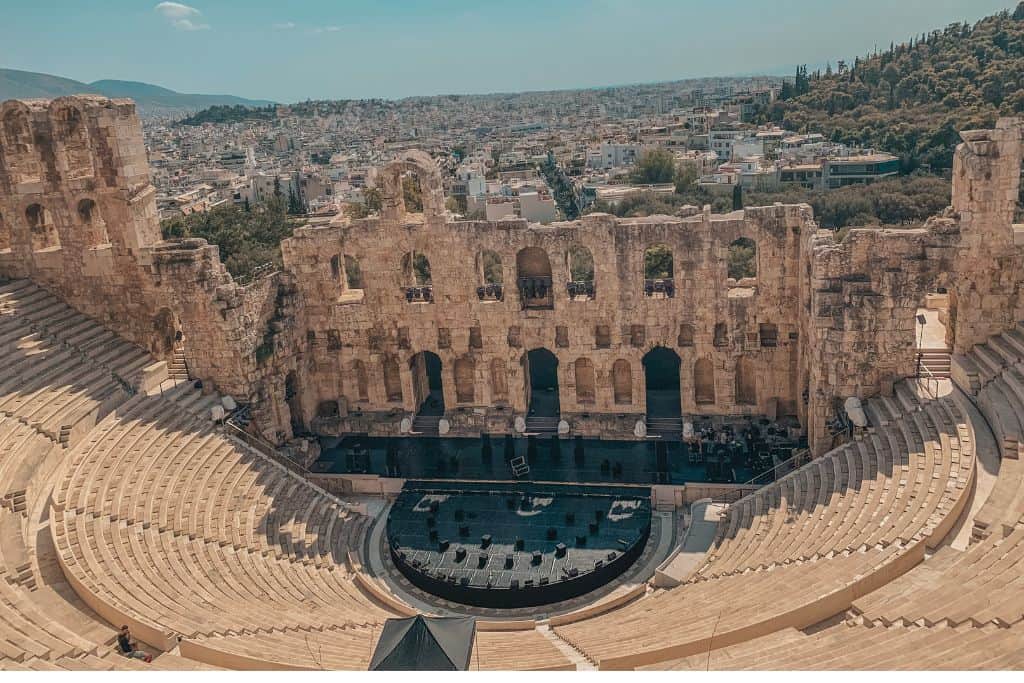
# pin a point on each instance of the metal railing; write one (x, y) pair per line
(263, 446)
(792, 463)
(661, 287)
(922, 368)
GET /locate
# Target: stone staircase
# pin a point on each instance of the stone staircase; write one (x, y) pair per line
(542, 425)
(426, 425)
(936, 362)
(177, 368)
(665, 427)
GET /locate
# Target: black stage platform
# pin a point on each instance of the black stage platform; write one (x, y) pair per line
(516, 545)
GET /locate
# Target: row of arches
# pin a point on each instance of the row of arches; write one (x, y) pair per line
(661, 368)
(534, 272)
(43, 233)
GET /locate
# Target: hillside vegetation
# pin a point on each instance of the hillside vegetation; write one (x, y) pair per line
(914, 98)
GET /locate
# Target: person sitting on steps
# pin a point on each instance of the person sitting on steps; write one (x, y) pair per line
(129, 647)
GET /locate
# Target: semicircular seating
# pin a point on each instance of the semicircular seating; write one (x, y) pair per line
(804, 548)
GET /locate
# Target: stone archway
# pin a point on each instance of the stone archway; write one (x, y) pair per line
(427, 384)
(542, 387)
(661, 382)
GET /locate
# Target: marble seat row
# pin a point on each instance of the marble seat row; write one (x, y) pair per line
(865, 648)
(352, 649)
(957, 610)
(898, 483)
(694, 616)
(177, 472)
(994, 374)
(33, 633)
(805, 548)
(58, 367)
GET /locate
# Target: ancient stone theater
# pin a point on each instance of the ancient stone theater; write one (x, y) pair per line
(597, 440)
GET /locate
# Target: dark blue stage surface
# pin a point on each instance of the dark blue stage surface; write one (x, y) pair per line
(568, 460)
(516, 544)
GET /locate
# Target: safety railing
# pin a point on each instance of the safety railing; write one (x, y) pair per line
(925, 373)
(792, 463)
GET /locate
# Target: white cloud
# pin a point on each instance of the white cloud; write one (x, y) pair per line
(285, 26)
(327, 29)
(182, 17)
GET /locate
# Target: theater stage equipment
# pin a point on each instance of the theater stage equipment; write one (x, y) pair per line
(516, 544)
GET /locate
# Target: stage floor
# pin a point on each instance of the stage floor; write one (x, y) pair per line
(626, 462)
(544, 543)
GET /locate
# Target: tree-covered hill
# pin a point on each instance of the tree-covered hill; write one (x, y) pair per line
(913, 98)
(230, 114)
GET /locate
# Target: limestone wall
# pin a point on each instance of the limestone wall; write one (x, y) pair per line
(482, 343)
(335, 341)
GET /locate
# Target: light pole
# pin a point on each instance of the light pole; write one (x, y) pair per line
(921, 321)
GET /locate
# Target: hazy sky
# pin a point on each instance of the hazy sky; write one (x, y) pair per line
(290, 51)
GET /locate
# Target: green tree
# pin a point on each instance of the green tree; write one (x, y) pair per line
(655, 167)
(412, 194)
(246, 239)
(685, 178)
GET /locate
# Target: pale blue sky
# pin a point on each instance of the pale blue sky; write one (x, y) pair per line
(290, 51)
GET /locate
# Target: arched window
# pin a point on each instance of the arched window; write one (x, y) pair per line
(622, 382)
(392, 380)
(581, 273)
(685, 335)
(703, 381)
(586, 391)
(465, 379)
(533, 274)
(96, 228)
(416, 270)
(72, 131)
(412, 192)
(721, 337)
(499, 380)
(5, 235)
(354, 274)
(361, 381)
(20, 154)
(742, 259)
(489, 276)
(43, 231)
(659, 272)
(490, 268)
(416, 279)
(746, 382)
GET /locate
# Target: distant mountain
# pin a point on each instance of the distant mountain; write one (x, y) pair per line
(152, 100)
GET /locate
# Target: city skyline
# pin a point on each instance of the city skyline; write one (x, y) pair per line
(399, 49)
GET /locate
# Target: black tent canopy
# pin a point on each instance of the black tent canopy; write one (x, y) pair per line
(425, 644)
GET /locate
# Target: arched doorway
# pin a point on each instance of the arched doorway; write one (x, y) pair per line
(542, 388)
(428, 389)
(661, 379)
